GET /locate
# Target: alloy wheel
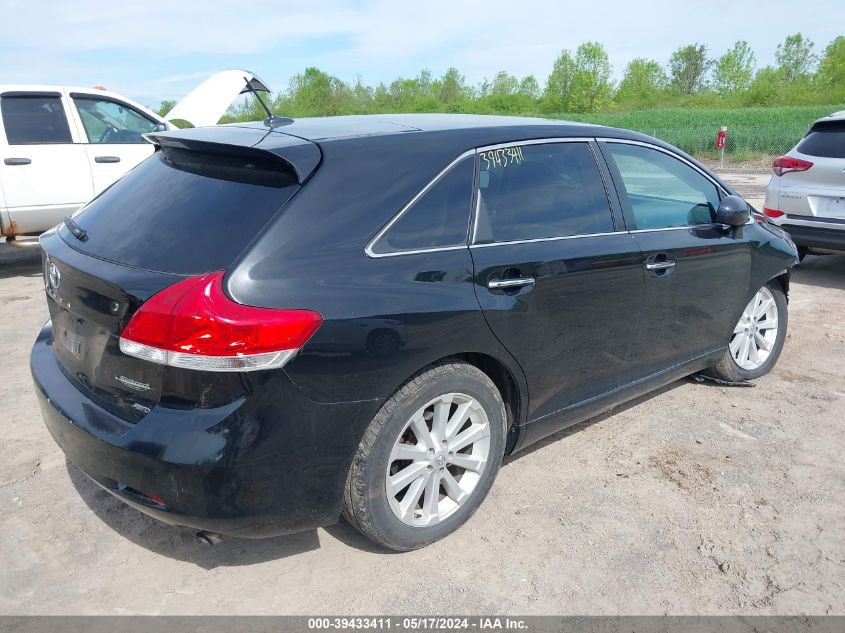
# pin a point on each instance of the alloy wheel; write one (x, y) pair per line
(755, 335)
(437, 460)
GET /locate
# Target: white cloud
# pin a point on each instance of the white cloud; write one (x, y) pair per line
(162, 49)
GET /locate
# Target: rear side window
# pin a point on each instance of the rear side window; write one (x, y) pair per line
(183, 211)
(34, 120)
(825, 140)
(662, 191)
(540, 191)
(438, 218)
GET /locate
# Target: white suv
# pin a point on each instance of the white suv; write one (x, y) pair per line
(62, 146)
(806, 195)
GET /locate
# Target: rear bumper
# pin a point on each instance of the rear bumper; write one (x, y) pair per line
(269, 463)
(832, 238)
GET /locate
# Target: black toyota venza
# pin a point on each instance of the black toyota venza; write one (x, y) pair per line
(261, 328)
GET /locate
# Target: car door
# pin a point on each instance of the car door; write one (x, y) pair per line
(557, 276)
(114, 136)
(44, 171)
(697, 272)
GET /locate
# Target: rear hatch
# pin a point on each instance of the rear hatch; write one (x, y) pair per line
(823, 184)
(191, 208)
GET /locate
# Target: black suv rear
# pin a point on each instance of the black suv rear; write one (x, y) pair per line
(258, 329)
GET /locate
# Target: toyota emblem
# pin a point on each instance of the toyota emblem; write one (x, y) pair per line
(54, 277)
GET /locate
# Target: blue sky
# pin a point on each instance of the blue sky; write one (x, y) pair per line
(155, 50)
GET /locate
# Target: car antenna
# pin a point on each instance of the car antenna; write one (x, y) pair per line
(272, 120)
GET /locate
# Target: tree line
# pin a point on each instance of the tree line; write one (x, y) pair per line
(581, 82)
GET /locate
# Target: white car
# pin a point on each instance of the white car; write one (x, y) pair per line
(806, 195)
(62, 146)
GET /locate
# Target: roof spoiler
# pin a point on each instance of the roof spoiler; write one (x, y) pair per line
(293, 154)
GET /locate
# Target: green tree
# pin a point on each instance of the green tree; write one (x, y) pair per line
(643, 83)
(166, 106)
(688, 67)
(504, 84)
(735, 69)
(529, 87)
(557, 94)
(795, 58)
(832, 70)
(591, 85)
(315, 93)
(765, 88)
(453, 87)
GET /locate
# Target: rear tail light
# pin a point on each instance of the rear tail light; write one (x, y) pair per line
(193, 324)
(785, 164)
(773, 213)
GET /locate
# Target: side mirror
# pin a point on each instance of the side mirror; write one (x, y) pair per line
(161, 127)
(733, 211)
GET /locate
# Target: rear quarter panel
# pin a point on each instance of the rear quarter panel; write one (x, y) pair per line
(384, 318)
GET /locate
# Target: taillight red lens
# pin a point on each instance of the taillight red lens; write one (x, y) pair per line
(194, 324)
(785, 164)
(773, 213)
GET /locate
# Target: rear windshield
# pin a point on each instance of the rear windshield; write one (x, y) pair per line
(825, 140)
(184, 212)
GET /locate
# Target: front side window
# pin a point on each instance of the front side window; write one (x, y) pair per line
(437, 219)
(107, 121)
(540, 191)
(662, 191)
(34, 120)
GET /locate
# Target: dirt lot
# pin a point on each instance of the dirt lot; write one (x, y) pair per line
(697, 499)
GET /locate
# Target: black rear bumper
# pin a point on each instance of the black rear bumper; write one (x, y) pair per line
(817, 237)
(269, 463)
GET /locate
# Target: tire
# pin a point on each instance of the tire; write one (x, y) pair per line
(464, 401)
(729, 368)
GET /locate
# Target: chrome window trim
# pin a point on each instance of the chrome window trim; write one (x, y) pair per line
(538, 141)
(541, 141)
(369, 248)
(548, 239)
(477, 202)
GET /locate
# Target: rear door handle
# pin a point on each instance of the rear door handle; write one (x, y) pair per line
(17, 161)
(107, 159)
(509, 284)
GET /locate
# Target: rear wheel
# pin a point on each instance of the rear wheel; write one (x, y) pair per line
(757, 339)
(428, 458)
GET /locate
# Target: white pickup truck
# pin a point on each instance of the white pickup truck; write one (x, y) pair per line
(62, 146)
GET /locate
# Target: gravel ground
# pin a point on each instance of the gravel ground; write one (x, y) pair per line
(696, 499)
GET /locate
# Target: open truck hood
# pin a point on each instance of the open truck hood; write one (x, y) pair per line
(208, 102)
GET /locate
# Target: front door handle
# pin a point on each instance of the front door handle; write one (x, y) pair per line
(659, 265)
(17, 161)
(107, 159)
(510, 284)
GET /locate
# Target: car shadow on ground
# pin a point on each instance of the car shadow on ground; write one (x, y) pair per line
(822, 271)
(182, 543)
(580, 426)
(17, 261)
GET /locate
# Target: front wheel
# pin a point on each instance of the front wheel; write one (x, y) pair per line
(757, 339)
(428, 458)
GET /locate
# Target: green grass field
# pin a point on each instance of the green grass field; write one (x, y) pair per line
(752, 132)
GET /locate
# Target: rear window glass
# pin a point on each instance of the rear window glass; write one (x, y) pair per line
(184, 212)
(34, 120)
(825, 140)
(439, 218)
